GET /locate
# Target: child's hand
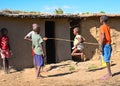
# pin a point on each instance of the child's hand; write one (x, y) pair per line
(45, 38)
(11, 52)
(44, 55)
(33, 46)
(100, 48)
(74, 47)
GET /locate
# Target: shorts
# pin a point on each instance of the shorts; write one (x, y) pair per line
(106, 52)
(4, 54)
(38, 60)
(80, 47)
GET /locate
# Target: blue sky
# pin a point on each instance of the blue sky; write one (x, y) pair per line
(69, 6)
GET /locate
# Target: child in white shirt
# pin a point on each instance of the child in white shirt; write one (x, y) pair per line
(78, 45)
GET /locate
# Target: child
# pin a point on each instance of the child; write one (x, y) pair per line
(38, 50)
(78, 45)
(5, 49)
(29, 35)
(29, 38)
(105, 44)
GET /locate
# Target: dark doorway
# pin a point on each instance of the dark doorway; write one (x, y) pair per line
(50, 44)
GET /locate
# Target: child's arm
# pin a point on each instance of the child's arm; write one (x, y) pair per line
(28, 38)
(41, 45)
(102, 38)
(79, 41)
(0, 45)
(83, 39)
(10, 48)
(45, 38)
(33, 46)
(101, 42)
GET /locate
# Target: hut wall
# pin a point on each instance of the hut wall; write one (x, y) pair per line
(19, 27)
(90, 30)
(63, 48)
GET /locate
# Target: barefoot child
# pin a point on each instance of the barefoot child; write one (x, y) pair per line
(38, 50)
(78, 45)
(29, 38)
(5, 49)
(105, 44)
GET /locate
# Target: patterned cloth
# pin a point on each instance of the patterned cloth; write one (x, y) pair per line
(4, 45)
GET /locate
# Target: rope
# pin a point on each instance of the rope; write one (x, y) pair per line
(90, 43)
(61, 39)
(72, 41)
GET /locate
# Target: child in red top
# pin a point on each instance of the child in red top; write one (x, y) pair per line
(5, 48)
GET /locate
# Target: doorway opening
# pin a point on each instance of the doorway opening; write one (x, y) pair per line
(50, 44)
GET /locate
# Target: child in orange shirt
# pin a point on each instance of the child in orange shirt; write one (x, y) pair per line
(105, 44)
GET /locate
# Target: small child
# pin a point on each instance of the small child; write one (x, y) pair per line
(29, 38)
(78, 45)
(5, 49)
(38, 50)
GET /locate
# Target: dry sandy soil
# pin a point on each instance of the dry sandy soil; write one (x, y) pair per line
(67, 73)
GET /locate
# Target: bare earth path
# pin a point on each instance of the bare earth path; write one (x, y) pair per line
(66, 73)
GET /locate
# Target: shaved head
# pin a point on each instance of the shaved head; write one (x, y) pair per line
(77, 29)
(103, 18)
(35, 26)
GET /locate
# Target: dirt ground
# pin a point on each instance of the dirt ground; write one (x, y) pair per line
(67, 73)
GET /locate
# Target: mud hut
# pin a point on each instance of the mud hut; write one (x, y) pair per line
(55, 26)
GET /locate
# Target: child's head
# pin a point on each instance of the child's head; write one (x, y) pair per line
(103, 19)
(37, 30)
(76, 30)
(4, 31)
(34, 26)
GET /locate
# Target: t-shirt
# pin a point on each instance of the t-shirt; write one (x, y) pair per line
(4, 40)
(30, 34)
(105, 29)
(36, 42)
(76, 39)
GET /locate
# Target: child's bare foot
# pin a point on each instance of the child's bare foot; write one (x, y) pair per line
(40, 77)
(43, 71)
(84, 59)
(107, 77)
(6, 71)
